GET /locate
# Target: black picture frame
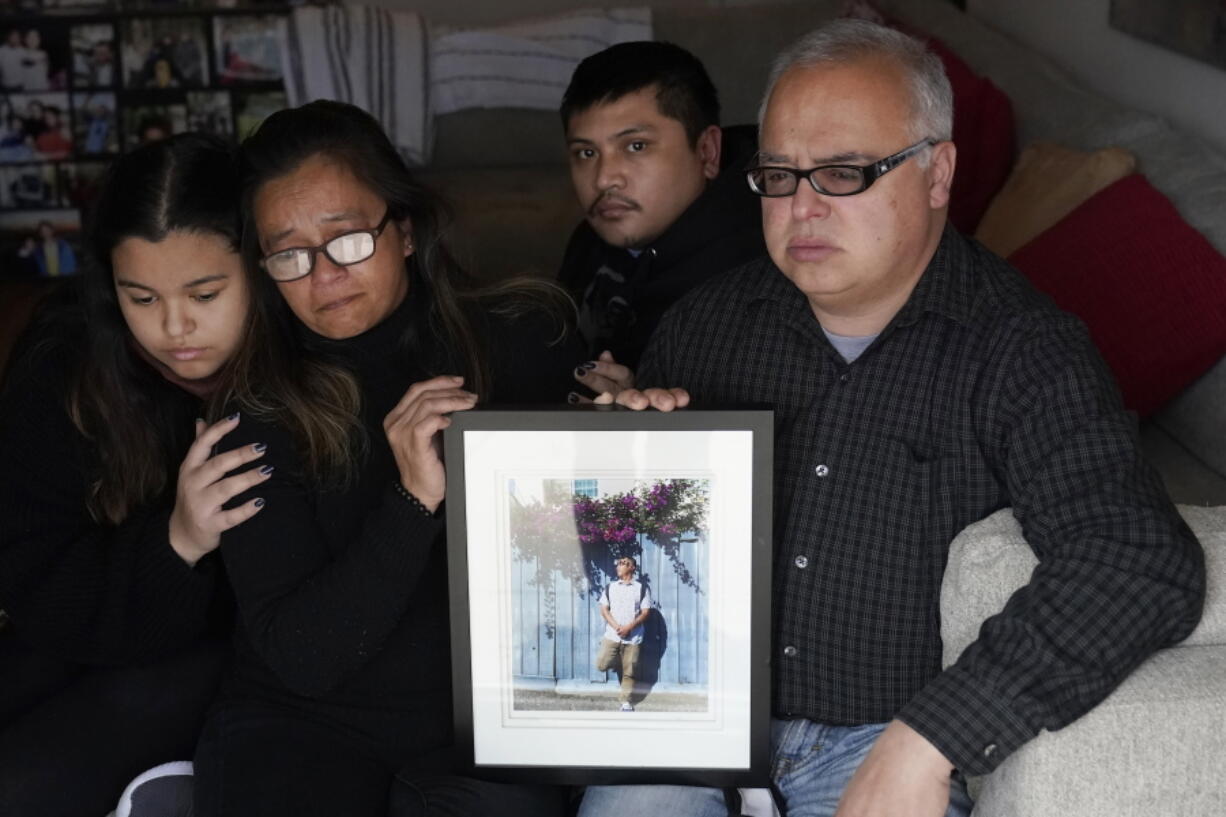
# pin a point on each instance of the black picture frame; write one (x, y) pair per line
(693, 489)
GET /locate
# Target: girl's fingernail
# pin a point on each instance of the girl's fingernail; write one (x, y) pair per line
(580, 371)
(259, 448)
(591, 364)
(233, 417)
(266, 469)
(572, 398)
(259, 502)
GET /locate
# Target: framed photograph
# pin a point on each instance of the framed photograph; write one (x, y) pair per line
(80, 183)
(209, 112)
(29, 187)
(610, 583)
(248, 49)
(149, 123)
(39, 243)
(34, 56)
(95, 123)
(34, 127)
(67, 7)
(93, 55)
(165, 52)
(253, 107)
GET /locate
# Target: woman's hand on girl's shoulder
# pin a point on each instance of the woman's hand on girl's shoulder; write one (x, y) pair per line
(200, 516)
(412, 428)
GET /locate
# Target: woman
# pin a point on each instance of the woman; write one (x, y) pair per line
(109, 500)
(342, 677)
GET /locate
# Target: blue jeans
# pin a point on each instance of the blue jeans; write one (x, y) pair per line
(811, 764)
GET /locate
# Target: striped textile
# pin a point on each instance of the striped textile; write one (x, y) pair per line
(371, 57)
(526, 64)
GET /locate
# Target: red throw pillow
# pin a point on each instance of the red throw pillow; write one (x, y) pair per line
(984, 133)
(1151, 289)
(983, 127)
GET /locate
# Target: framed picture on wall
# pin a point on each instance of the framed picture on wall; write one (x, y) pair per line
(34, 127)
(248, 49)
(610, 581)
(34, 55)
(95, 122)
(29, 187)
(148, 123)
(93, 55)
(165, 52)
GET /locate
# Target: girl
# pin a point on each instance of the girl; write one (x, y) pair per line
(110, 504)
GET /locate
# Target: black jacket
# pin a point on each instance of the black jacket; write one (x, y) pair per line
(621, 298)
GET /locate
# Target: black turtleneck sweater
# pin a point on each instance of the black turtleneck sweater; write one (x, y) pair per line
(84, 591)
(622, 296)
(342, 594)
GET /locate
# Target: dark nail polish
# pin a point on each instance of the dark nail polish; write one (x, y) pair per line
(591, 364)
(572, 398)
(259, 502)
(259, 448)
(580, 371)
(266, 469)
(233, 416)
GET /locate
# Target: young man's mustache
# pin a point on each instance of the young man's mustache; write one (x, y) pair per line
(614, 198)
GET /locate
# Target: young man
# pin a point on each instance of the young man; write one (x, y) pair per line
(646, 151)
(625, 605)
(919, 383)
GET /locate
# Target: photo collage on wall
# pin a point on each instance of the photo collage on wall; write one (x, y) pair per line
(82, 81)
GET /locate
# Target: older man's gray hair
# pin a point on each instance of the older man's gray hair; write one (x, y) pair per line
(848, 40)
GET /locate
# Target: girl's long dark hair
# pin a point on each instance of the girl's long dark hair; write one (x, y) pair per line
(442, 294)
(187, 183)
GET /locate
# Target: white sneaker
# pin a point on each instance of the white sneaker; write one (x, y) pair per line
(165, 791)
(627, 707)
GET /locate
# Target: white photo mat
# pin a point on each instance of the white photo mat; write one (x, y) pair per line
(718, 738)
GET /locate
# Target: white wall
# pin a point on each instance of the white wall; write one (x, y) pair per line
(1076, 36)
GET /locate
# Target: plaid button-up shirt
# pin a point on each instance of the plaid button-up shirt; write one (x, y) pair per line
(978, 395)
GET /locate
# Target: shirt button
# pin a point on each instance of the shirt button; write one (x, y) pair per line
(790, 651)
(989, 750)
(802, 562)
(844, 377)
(821, 470)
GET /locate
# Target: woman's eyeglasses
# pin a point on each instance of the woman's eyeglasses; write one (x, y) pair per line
(345, 249)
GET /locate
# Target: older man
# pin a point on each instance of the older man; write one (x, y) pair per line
(919, 384)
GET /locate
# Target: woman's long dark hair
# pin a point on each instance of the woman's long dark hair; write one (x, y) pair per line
(187, 183)
(439, 288)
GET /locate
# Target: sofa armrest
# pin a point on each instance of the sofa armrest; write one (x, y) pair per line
(990, 559)
(1153, 747)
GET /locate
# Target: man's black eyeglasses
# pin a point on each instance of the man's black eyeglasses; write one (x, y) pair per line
(830, 180)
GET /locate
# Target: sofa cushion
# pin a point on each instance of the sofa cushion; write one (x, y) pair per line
(983, 127)
(1047, 183)
(984, 133)
(509, 221)
(1189, 479)
(1149, 287)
